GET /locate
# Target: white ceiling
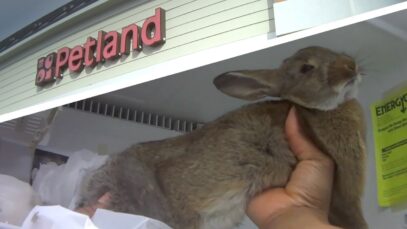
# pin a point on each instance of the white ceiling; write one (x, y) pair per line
(394, 24)
(397, 20)
(191, 95)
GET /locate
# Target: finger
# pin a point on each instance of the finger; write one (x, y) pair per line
(311, 180)
(267, 205)
(103, 201)
(86, 210)
(301, 146)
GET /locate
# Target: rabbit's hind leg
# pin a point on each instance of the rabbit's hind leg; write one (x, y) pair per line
(271, 166)
(132, 188)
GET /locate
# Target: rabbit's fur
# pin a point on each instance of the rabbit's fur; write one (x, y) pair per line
(204, 179)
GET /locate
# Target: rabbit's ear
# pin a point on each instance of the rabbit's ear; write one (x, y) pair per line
(249, 84)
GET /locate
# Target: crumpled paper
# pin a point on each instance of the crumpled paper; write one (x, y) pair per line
(60, 184)
(106, 219)
(17, 198)
(57, 217)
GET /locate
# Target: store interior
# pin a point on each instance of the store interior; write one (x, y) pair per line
(189, 99)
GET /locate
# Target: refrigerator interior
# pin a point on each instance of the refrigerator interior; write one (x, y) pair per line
(379, 45)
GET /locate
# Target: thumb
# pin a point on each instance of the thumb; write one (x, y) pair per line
(301, 146)
(103, 201)
(311, 180)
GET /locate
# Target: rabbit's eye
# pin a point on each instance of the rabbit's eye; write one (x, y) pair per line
(305, 68)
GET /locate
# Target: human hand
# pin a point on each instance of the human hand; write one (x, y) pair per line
(304, 202)
(103, 202)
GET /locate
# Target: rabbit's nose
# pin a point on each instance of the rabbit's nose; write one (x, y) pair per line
(351, 67)
(347, 63)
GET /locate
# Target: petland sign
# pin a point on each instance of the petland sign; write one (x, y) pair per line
(106, 47)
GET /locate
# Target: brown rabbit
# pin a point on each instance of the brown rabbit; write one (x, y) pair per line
(204, 179)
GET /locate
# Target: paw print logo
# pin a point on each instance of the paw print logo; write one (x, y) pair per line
(46, 70)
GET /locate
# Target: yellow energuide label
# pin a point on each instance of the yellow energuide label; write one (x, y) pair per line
(389, 118)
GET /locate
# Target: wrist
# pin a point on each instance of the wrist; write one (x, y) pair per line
(298, 217)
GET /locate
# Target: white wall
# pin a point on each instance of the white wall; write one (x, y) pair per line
(75, 130)
(15, 159)
(390, 71)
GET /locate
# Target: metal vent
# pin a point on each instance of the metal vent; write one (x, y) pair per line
(28, 125)
(134, 115)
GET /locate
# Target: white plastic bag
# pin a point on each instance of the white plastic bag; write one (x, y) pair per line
(57, 217)
(59, 185)
(17, 198)
(106, 219)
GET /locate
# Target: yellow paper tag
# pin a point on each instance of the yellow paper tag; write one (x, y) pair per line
(389, 118)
